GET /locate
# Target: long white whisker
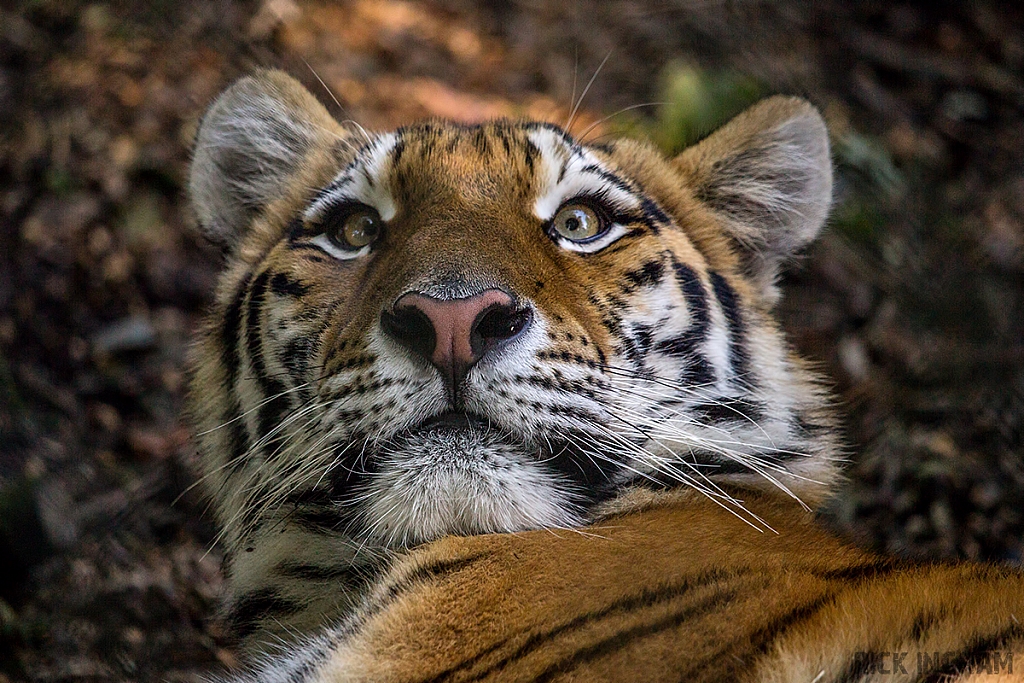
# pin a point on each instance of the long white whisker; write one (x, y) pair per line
(583, 95)
(583, 136)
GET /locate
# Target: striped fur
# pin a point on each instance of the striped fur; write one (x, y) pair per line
(683, 591)
(337, 431)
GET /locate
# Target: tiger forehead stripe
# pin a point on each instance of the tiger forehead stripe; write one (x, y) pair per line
(363, 180)
(568, 170)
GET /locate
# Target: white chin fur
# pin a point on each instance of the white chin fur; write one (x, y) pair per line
(462, 482)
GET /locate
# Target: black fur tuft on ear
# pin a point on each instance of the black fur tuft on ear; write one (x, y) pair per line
(768, 175)
(250, 143)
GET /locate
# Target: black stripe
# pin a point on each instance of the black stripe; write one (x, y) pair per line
(625, 638)
(654, 214)
(322, 520)
(738, 654)
(273, 412)
(245, 614)
(642, 335)
(695, 294)
(739, 357)
(433, 570)
(648, 275)
(847, 578)
(739, 464)
(644, 599)
(398, 150)
(238, 438)
(296, 230)
(531, 153)
(974, 654)
(295, 355)
(729, 410)
(230, 329)
(349, 574)
(591, 474)
(688, 344)
(546, 125)
(609, 178)
(876, 569)
(481, 143)
(503, 136)
(413, 579)
(282, 285)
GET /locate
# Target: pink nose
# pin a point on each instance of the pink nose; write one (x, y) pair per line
(454, 334)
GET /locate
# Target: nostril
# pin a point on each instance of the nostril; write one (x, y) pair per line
(410, 326)
(498, 324)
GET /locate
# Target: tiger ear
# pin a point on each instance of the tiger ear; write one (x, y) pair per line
(250, 143)
(768, 175)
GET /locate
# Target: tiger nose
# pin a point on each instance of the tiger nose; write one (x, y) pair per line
(454, 334)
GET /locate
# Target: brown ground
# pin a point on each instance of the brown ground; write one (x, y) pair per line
(914, 302)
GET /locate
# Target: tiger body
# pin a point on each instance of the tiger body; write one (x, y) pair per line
(495, 336)
(674, 590)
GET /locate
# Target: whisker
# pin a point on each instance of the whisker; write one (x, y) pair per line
(595, 124)
(583, 95)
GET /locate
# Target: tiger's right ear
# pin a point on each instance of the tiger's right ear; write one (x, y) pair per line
(250, 143)
(767, 175)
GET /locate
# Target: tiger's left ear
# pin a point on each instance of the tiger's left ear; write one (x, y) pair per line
(768, 175)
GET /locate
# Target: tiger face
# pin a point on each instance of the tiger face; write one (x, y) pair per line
(453, 329)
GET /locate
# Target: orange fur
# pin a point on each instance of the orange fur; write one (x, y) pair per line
(682, 591)
(663, 331)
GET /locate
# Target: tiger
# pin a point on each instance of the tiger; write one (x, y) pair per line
(491, 402)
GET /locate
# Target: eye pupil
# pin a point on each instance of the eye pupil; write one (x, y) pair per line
(576, 222)
(356, 229)
(360, 229)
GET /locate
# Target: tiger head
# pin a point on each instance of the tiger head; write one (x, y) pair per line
(463, 329)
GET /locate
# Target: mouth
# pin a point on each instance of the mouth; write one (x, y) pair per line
(454, 421)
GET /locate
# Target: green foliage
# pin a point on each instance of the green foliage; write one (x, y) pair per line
(9, 396)
(867, 158)
(59, 181)
(858, 219)
(697, 101)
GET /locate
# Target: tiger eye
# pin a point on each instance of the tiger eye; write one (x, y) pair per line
(358, 229)
(576, 222)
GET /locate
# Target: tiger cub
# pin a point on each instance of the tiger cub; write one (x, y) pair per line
(556, 365)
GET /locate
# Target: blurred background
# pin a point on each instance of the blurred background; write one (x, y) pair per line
(913, 302)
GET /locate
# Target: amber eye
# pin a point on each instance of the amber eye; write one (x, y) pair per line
(355, 229)
(576, 222)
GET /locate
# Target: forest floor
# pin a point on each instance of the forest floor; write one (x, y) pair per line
(913, 302)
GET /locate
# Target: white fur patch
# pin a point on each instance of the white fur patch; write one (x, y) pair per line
(581, 177)
(565, 173)
(366, 180)
(466, 482)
